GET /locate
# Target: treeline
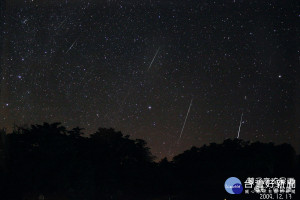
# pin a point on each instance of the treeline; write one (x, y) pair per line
(48, 159)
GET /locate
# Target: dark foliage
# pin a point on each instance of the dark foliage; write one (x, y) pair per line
(63, 164)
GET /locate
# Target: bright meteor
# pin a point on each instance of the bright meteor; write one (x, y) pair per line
(72, 45)
(153, 59)
(187, 114)
(240, 126)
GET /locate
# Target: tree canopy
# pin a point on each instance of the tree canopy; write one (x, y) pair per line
(50, 160)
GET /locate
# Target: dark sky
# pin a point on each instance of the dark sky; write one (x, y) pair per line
(137, 65)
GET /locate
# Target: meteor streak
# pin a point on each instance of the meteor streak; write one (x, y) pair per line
(240, 126)
(153, 58)
(72, 45)
(187, 114)
(62, 23)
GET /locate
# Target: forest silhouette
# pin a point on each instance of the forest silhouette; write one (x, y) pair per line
(50, 162)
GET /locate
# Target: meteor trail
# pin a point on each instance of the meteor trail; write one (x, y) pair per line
(72, 45)
(187, 114)
(240, 126)
(153, 58)
(61, 23)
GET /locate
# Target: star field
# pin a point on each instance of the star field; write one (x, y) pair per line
(136, 66)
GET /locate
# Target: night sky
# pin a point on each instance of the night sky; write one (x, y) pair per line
(174, 73)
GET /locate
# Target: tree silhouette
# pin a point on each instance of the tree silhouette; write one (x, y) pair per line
(55, 162)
